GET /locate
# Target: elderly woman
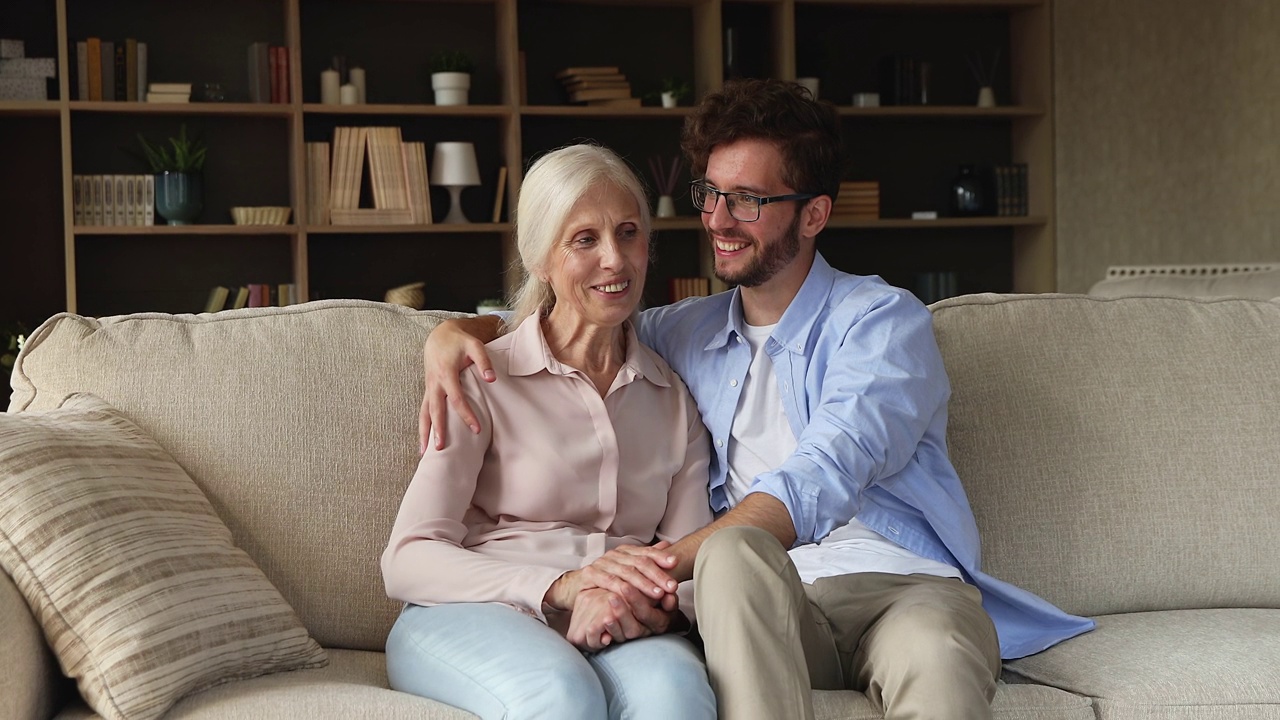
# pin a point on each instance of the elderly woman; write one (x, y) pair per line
(590, 442)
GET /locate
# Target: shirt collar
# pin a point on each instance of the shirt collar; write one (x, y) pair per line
(530, 354)
(797, 321)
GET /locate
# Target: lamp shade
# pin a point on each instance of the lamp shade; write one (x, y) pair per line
(454, 163)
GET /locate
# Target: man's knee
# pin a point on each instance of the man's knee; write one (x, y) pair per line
(732, 546)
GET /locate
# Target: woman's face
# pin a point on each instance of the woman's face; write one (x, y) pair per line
(597, 266)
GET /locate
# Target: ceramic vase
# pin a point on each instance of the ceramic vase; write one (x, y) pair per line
(179, 197)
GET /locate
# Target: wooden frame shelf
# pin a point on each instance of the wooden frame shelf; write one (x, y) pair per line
(30, 108)
(940, 223)
(428, 110)
(101, 231)
(431, 229)
(518, 46)
(279, 110)
(941, 111)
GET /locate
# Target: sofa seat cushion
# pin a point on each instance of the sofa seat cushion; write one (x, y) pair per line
(1012, 702)
(352, 687)
(1177, 664)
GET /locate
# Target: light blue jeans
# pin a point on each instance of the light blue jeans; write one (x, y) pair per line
(501, 664)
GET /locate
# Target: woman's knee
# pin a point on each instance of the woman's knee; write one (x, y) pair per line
(657, 677)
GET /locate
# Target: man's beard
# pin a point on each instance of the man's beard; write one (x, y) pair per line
(769, 260)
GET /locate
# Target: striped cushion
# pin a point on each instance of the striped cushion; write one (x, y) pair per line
(134, 579)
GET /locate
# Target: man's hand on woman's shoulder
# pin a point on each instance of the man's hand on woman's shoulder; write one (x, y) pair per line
(449, 349)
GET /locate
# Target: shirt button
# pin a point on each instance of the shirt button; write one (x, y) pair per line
(733, 383)
(719, 443)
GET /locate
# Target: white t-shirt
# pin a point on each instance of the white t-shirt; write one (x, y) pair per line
(761, 439)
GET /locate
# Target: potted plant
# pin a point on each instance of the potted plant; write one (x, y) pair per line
(451, 77)
(673, 91)
(177, 167)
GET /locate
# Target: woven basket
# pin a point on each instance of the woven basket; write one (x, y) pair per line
(262, 215)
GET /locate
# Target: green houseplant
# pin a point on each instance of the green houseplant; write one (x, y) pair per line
(674, 90)
(451, 77)
(177, 166)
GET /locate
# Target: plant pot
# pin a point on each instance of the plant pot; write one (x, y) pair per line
(179, 197)
(668, 100)
(451, 87)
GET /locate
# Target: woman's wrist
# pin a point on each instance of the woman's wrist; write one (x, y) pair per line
(563, 592)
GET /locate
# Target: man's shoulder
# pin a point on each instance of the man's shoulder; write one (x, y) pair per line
(853, 297)
(695, 316)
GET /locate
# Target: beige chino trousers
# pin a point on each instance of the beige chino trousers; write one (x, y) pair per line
(919, 646)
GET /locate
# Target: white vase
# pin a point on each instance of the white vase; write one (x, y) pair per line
(668, 100)
(666, 207)
(451, 87)
(986, 96)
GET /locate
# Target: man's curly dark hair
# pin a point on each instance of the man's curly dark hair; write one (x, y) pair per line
(805, 130)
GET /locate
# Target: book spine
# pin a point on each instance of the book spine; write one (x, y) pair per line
(77, 199)
(82, 70)
(121, 80)
(93, 47)
(131, 70)
(141, 80)
(108, 71)
(149, 200)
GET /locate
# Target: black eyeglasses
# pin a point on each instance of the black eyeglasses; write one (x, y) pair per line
(742, 206)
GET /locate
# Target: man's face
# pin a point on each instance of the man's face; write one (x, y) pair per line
(751, 253)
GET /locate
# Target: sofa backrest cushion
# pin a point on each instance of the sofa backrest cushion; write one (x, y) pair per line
(298, 423)
(1120, 455)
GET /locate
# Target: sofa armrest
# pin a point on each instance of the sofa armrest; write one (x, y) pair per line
(30, 681)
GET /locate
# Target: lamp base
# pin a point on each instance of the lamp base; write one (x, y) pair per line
(455, 205)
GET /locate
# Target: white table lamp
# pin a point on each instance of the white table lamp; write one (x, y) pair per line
(454, 167)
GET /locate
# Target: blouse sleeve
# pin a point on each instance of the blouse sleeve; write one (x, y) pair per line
(688, 504)
(424, 562)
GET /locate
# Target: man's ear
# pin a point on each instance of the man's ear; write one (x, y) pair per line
(815, 215)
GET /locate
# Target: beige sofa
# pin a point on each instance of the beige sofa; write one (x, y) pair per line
(1122, 457)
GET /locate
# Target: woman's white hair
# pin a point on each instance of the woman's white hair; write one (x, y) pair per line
(555, 183)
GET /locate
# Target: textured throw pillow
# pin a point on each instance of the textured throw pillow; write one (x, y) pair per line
(134, 579)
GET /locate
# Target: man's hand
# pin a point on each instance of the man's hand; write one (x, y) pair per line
(631, 570)
(449, 349)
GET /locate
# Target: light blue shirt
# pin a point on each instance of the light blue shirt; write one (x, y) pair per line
(865, 392)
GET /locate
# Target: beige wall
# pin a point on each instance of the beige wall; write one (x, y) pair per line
(1168, 133)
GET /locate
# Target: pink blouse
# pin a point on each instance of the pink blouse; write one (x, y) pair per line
(557, 476)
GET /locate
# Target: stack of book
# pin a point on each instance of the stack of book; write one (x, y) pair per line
(111, 70)
(268, 73)
(251, 295)
(1011, 189)
(687, 287)
(597, 86)
(397, 178)
(858, 201)
(112, 200)
(21, 77)
(169, 93)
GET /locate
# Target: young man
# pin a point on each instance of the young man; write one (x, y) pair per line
(826, 399)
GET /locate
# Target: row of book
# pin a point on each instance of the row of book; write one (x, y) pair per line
(603, 86)
(687, 287)
(1011, 189)
(251, 295)
(268, 73)
(112, 200)
(397, 178)
(22, 77)
(857, 200)
(111, 70)
(934, 286)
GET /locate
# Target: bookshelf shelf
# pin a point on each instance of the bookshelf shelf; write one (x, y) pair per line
(603, 112)
(107, 231)
(938, 111)
(431, 229)
(258, 151)
(33, 108)
(940, 223)
(196, 108)
(405, 109)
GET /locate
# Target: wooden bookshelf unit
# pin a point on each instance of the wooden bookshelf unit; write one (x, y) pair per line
(257, 151)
